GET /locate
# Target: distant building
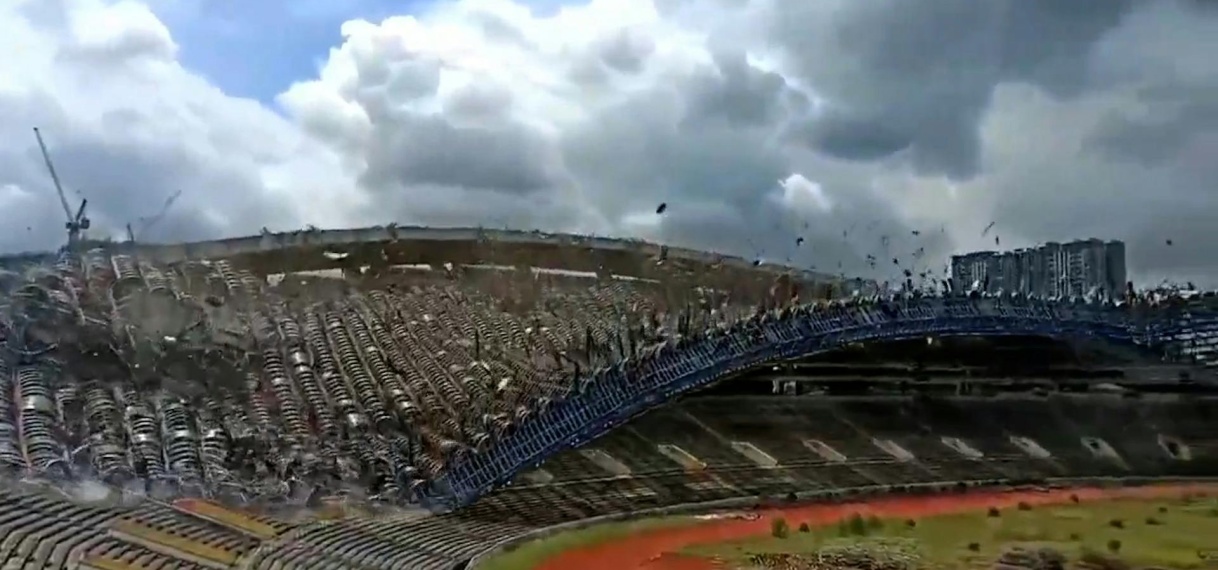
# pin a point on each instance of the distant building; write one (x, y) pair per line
(1077, 268)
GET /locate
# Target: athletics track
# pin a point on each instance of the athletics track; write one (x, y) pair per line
(656, 550)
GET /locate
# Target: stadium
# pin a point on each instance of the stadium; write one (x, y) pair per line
(423, 398)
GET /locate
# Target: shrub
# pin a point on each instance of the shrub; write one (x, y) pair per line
(1162, 509)
(875, 523)
(1073, 498)
(779, 528)
(910, 523)
(856, 525)
(1075, 537)
(803, 527)
(1024, 506)
(1114, 546)
(993, 513)
(974, 547)
(1116, 523)
(1152, 521)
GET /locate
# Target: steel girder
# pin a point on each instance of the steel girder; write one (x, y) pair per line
(611, 397)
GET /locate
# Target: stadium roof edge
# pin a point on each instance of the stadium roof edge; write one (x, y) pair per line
(271, 241)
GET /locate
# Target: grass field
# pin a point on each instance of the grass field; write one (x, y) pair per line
(1171, 533)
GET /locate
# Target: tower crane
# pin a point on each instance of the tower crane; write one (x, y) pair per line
(146, 223)
(77, 223)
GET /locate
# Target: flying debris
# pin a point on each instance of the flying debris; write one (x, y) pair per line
(988, 228)
(916, 232)
(662, 256)
(799, 241)
(997, 241)
(663, 207)
(1169, 243)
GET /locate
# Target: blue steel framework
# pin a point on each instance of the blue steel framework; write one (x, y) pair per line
(611, 397)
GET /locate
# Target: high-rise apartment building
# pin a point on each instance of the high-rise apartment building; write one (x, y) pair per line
(1077, 268)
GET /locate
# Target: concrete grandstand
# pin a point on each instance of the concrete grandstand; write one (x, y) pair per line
(303, 400)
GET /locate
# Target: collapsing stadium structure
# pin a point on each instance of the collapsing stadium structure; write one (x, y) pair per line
(218, 397)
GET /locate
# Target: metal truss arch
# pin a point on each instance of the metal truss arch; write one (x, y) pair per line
(611, 397)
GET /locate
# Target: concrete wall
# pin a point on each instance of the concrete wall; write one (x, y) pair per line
(461, 238)
(303, 251)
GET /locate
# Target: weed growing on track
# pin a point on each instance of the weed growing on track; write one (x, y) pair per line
(1141, 533)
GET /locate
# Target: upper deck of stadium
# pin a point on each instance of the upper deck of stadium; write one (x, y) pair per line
(323, 249)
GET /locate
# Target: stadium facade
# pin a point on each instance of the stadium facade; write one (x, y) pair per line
(292, 401)
(1059, 270)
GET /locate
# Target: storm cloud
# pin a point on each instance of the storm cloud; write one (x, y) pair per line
(873, 128)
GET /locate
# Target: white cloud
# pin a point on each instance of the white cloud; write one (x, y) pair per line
(803, 195)
(127, 126)
(121, 31)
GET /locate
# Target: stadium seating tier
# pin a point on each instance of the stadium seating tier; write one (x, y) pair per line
(154, 408)
(700, 450)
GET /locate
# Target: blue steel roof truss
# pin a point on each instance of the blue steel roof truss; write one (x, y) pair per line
(614, 396)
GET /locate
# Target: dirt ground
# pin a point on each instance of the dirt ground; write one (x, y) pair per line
(658, 550)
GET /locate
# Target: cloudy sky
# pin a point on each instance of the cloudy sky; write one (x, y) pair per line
(757, 121)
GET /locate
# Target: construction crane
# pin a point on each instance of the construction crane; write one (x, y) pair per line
(146, 223)
(77, 222)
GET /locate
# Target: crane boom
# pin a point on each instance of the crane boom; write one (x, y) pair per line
(150, 221)
(46, 157)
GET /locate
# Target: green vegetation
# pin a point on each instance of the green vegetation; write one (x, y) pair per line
(531, 554)
(1166, 533)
